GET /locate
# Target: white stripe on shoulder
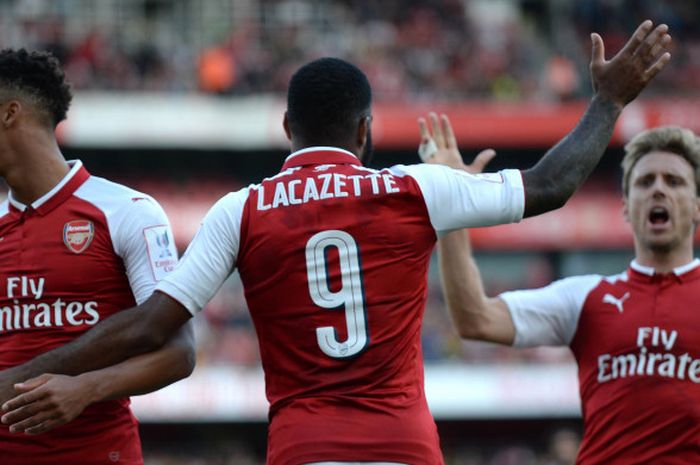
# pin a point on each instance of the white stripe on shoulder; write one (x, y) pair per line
(4, 208)
(617, 277)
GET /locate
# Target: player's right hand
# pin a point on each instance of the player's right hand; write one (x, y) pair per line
(45, 402)
(439, 146)
(624, 76)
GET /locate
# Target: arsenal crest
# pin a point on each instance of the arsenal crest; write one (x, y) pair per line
(78, 234)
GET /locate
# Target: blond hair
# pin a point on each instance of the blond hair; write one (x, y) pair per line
(674, 139)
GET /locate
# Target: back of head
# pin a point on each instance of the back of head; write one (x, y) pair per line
(673, 139)
(35, 79)
(325, 102)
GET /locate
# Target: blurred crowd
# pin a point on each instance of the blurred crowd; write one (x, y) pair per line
(411, 49)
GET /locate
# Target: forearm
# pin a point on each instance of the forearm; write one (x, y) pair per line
(126, 334)
(144, 373)
(555, 178)
(475, 315)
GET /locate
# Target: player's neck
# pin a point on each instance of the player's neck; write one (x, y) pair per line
(665, 261)
(38, 167)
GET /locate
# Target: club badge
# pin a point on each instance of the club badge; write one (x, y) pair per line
(78, 234)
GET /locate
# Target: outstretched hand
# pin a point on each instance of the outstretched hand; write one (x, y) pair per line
(45, 402)
(439, 146)
(624, 76)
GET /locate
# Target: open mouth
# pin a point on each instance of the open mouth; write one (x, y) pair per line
(658, 216)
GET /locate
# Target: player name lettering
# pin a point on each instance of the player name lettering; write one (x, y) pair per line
(648, 363)
(325, 186)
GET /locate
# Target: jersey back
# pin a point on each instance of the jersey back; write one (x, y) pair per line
(334, 262)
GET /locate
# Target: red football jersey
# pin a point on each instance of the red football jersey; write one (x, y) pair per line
(82, 252)
(635, 337)
(334, 259)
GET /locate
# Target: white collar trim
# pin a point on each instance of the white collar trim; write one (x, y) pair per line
(650, 271)
(75, 166)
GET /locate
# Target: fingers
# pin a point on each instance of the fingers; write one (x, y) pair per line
(437, 130)
(450, 140)
(483, 159)
(22, 413)
(45, 426)
(647, 46)
(658, 66)
(480, 162)
(23, 399)
(637, 38)
(597, 49)
(32, 383)
(423, 128)
(33, 421)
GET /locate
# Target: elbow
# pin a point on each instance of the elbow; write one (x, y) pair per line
(149, 341)
(473, 327)
(471, 331)
(188, 361)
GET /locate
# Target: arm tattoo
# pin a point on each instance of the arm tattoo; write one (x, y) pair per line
(555, 178)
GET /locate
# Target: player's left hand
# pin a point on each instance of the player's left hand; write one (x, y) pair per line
(439, 146)
(44, 403)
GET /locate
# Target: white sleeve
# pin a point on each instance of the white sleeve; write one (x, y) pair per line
(210, 257)
(144, 240)
(456, 199)
(549, 316)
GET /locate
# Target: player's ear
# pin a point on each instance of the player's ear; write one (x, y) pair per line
(10, 113)
(696, 216)
(285, 124)
(625, 209)
(363, 130)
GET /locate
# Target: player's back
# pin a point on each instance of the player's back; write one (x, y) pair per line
(334, 259)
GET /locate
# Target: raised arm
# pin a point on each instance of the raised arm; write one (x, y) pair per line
(554, 179)
(51, 400)
(474, 314)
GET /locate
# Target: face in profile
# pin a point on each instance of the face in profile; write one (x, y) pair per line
(662, 203)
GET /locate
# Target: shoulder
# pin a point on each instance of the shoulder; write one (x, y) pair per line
(570, 292)
(111, 197)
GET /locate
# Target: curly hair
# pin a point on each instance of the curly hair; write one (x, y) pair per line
(37, 78)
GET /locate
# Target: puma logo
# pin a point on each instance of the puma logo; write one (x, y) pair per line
(611, 299)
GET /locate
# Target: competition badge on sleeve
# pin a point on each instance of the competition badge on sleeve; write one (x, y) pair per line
(78, 234)
(161, 250)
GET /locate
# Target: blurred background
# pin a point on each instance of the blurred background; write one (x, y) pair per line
(183, 99)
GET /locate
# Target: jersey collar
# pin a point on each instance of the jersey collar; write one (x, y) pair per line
(60, 192)
(320, 156)
(682, 272)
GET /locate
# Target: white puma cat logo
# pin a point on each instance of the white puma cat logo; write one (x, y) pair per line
(611, 299)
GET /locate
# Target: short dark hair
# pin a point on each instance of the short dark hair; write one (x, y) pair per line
(325, 101)
(37, 78)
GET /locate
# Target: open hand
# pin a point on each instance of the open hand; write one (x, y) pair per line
(624, 76)
(439, 146)
(44, 403)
